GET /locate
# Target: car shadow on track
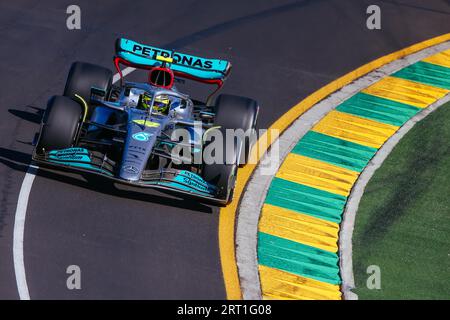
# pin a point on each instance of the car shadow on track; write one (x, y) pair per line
(34, 117)
(20, 161)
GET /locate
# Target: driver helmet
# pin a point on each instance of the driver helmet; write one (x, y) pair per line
(161, 104)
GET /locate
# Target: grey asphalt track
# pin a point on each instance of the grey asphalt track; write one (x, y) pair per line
(151, 245)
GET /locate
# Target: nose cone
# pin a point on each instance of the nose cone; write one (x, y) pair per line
(138, 147)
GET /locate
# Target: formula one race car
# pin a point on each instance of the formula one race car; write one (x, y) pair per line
(127, 132)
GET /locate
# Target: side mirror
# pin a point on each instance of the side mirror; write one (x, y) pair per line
(172, 113)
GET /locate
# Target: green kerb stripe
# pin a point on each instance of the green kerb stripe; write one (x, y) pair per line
(336, 151)
(300, 198)
(427, 73)
(297, 258)
(378, 109)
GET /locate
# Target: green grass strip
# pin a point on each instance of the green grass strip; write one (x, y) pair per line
(427, 73)
(378, 109)
(403, 220)
(300, 198)
(336, 151)
(298, 258)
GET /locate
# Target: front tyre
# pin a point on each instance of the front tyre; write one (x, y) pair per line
(60, 124)
(223, 176)
(222, 173)
(234, 112)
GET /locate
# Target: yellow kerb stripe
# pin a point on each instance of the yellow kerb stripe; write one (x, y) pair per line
(228, 214)
(355, 129)
(317, 174)
(299, 227)
(441, 58)
(405, 91)
(277, 284)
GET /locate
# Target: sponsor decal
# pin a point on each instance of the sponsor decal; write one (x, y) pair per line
(130, 169)
(72, 154)
(193, 180)
(141, 136)
(194, 184)
(147, 123)
(178, 58)
(137, 149)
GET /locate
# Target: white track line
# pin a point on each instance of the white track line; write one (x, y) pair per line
(21, 213)
(19, 227)
(125, 71)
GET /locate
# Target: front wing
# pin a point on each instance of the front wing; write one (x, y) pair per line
(84, 160)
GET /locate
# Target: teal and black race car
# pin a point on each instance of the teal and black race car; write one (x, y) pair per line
(130, 132)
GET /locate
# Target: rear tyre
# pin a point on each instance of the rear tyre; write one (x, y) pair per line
(83, 76)
(234, 112)
(60, 124)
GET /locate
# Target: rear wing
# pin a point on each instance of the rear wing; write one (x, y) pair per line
(200, 69)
